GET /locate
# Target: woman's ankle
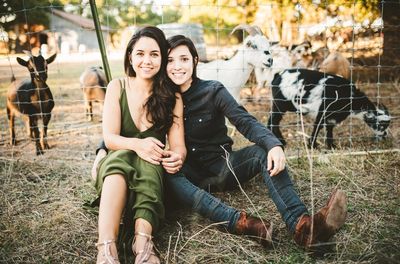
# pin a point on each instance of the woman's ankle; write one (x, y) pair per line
(107, 252)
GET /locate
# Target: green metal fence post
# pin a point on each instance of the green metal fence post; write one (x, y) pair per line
(100, 39)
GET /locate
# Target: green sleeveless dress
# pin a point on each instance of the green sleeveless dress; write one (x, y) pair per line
(144, 180)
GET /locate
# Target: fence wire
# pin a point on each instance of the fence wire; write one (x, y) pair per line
(71, 136)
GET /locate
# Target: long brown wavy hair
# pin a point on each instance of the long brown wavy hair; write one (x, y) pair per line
(161, 103)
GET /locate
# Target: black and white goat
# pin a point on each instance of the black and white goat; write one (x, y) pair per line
(32, 97)
(328, 98)
(235, 72)
(93, 83)
(281, 61)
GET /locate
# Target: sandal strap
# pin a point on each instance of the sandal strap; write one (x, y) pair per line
(143, 256)
(109, 259)
(138, 233)
(105, 242)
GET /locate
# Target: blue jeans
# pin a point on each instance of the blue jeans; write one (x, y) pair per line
(246, 163)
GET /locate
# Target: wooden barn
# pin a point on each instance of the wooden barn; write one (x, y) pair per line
(73, 33)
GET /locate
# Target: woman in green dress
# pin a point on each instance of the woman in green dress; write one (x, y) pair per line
(139, 111)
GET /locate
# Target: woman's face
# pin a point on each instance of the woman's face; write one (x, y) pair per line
(180, 67)
(146, 58)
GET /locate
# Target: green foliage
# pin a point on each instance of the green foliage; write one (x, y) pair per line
(32, 12)
(118, 14)
(219, 17)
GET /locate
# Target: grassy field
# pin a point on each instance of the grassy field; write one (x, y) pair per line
(44, 217)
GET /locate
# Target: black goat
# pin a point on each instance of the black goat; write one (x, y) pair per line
(32, 98)
(327, 98)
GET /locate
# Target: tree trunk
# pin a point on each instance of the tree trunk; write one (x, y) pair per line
(390, 59)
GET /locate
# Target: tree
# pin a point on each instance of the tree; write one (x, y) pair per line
(23, 12)
(390, 11)
(218, 17)
(18, 18)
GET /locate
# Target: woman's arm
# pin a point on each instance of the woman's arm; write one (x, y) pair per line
(149, 149)
(253, 130)
(245, 123)
(175, 156)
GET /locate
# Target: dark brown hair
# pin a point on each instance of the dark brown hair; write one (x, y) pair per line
(180, 40)
(161, 102)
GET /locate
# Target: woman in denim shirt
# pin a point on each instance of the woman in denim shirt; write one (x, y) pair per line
(206, 105)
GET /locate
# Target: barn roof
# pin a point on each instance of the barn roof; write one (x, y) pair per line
(83, 22)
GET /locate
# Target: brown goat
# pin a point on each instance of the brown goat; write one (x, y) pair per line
(336, 64)
(32, 98)
(304, 57)
(93, 83)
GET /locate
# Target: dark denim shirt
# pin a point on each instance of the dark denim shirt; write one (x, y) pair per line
(206, 104)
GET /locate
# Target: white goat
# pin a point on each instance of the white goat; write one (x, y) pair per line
(235, 72)
(336, 64)
(281, 61)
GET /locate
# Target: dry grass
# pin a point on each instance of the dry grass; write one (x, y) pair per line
(44, 220)
(43, 217)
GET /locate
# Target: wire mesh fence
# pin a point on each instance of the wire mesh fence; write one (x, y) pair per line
(68, 35)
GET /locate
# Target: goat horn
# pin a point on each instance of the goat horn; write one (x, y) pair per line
(250, 29)
(258, 29)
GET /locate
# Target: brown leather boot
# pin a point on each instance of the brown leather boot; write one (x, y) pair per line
(255, 227)
(324, 224)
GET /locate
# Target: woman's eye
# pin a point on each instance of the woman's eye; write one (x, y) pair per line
(154, 55)
(185, 59)
(170, 60)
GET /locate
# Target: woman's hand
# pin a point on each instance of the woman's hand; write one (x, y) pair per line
(149, 149)
(276, 161)
(172, 161)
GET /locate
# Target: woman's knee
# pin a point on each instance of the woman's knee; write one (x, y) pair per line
(115, 181)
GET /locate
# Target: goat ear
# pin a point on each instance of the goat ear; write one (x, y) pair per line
(22, 62)
(51, 58)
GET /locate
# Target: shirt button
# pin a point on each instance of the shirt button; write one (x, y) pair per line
(184, 118)
(184, 106)
(193, 149)
(200, 120)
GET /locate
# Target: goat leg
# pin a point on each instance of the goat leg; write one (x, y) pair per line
(11, 119)
(88, 105)
(317, 127)
(43, 139)
(273, 124)
(29, 131)
(90, 109)
(329, 136)
(33, 122)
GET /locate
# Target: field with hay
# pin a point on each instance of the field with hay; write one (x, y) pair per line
(45, 217)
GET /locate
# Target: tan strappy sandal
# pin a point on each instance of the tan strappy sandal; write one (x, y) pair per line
(104, 256)
(147, 255)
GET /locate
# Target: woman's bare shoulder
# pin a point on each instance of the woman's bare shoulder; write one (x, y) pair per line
(116, 84)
